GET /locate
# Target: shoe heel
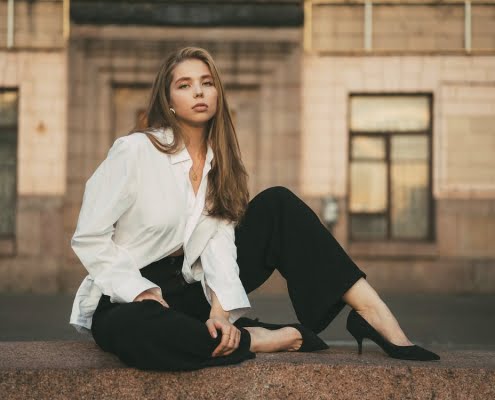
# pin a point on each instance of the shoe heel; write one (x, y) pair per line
(360, 344)
(353, 329)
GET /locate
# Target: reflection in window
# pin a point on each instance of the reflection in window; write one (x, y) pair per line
(8, 160)
(369, 186)
(368, 147)
(409, 184)
(389, 113)
(390, 185)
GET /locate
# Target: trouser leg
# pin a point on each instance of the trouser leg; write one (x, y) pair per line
(146, 335)
(280, 231)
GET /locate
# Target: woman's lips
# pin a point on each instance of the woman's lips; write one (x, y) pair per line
(200, 108)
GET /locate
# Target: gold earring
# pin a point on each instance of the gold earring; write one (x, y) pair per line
(171, 109)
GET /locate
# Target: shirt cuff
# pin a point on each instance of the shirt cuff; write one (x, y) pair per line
(128, 291)
(234, 300)
(237, 313)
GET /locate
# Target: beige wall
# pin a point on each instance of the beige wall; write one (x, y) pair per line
(414, 48)
(418, 27)
(41, 79)
(36, 67)
(461, 92)
(462, 256)
(37, 24)
(483, 30)
(468, 140)
(337, 28)
(293, 132)
(405, 26)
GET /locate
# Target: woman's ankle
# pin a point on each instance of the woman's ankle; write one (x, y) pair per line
(381, 318)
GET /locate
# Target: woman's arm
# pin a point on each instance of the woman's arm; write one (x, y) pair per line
(221, 273)
(109, 192)
(223, 288)
(219, 319)
(216, 308)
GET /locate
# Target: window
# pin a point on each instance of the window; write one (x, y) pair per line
(390, 193)
(128, 107)
(8, 161)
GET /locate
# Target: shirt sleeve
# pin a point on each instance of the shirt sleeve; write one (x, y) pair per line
(221, 272)
(109, 192)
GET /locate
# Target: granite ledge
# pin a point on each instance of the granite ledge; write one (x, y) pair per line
(71, 369)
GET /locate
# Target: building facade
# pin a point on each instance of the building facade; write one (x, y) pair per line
(379, 115)
(33, 144)
(399, 100)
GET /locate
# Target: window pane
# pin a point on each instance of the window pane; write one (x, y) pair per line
(8, 167)
(8, 108)
(410, 147)
(410, 197)
(410, 200)
(368, 186)
(368, 147)
(389, 113)
(368, 227)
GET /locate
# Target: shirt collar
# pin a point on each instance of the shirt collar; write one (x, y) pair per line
(182, 154)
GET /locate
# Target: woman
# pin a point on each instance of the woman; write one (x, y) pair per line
(172, 243)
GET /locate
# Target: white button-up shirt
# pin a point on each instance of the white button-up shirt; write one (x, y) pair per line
(138, 207)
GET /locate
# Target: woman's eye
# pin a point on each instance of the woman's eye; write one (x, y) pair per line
(204, 83)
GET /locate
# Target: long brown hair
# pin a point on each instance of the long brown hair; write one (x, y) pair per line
(227, 195)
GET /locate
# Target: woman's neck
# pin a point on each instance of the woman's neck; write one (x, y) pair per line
(195, 138)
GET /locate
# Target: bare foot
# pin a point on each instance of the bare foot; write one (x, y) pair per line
(382, 319)
(269, 341)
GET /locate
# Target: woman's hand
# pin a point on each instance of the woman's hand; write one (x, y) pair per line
(231, 336)
(152, 294)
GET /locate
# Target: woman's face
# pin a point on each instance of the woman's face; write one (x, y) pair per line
(192, 84)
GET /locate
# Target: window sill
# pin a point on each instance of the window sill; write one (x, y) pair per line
(393, 249)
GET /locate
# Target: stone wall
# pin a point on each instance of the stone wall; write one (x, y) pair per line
(463, 89)
(292, 122)
(405, 26)
(36, 67)
(37, 24)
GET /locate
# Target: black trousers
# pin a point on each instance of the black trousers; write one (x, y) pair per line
(278, 231)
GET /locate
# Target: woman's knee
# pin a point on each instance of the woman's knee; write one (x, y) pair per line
(129, 316)
(277, 193)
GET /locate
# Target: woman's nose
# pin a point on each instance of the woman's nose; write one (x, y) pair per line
(198, 92)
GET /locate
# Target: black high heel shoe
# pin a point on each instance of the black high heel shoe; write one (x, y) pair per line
(311, 341)
(360, 329)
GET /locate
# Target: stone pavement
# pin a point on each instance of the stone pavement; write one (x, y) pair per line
(463, 322)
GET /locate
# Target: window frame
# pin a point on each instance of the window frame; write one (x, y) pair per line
(387, 135)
